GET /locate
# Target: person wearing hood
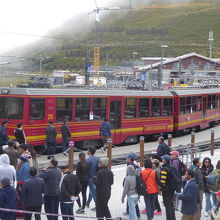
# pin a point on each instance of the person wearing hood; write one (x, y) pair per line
(103, 181)
(19, 134)
(7, 199)
(130, 191)
(206, 169)
(7, 170)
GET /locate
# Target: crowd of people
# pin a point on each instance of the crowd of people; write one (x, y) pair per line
(182, 188)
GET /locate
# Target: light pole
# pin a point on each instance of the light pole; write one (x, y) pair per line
(163, 46)
(211, 39)
(134, 54)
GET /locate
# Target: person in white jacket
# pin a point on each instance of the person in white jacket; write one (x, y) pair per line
(7, 170)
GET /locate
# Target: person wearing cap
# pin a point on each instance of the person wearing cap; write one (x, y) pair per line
(103, 181)
(51, 134)
(7, 199)
(163, 148)
(70, 188)
(189, 197)
(167, 188)
(19, 134)
(3, 133)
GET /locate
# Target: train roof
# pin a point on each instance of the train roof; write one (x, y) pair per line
(84, 92)
(113, 92)
(196, 91)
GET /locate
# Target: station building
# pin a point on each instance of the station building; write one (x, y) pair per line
(186, 69)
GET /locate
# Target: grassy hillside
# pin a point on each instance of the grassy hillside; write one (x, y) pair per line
(184, 27)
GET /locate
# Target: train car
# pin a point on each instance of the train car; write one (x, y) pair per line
(196, 109)
(131, 113)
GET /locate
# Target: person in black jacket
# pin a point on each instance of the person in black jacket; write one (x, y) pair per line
(32, 194)
(19, 134)
(51, 177)
(82, 173)
(70, 187)
(3, 133)
(163, 148)
(66, 135)
(51, 134)
(103, 182)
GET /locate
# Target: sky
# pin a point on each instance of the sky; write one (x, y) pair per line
(36, 17)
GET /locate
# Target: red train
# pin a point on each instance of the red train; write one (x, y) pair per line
(131, 113)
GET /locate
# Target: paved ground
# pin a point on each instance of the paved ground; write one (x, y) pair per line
(115, 205)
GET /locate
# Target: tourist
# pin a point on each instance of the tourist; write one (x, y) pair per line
(32, 194)
(70, 187)
(92, 162)
(7, 170)
(82, 173)
(51, 135)
(130, 191)
(7, 200)
(66, 135)
(3, 133)
(190, 197)
(105, 132)
(51, 177)
(12, 153)
(167, 187)
(103, 181)
(19, 134)
(206, 169)
(151, 180)
(199, 180)
(163, 148)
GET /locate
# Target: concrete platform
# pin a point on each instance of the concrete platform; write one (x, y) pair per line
(117, 208)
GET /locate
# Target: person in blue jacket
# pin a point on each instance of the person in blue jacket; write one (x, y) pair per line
(105, 132)
(3, 134)
(7, 200)
(190, 197)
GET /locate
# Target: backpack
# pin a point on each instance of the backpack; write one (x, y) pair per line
(182, 167)
(175, 179)
(213, 182)
(140, 184)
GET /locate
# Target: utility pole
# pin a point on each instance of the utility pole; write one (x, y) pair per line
(96, 51)
(211, 39)
(160, 78)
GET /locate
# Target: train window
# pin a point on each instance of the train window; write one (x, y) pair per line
(182, 105)
(143, 110)
(11, 108)
(130, 108)
(82, 109)
(214, 101)
(194, 104)
(167, 107)
(99, 108)
(64, 109)
(156, 107)
(209, 102)
(37, 109)
(188, 105)
(199, 103)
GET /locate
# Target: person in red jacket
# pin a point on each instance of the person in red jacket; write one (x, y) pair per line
(150, 178)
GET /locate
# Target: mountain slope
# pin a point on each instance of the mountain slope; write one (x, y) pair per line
(184, 27)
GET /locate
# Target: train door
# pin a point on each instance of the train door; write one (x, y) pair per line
(115, 118)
